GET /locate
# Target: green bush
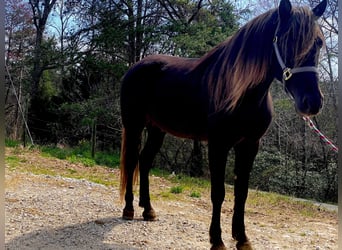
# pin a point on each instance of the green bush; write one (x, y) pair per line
(82, 154)
(107, 159)
(195, 194)
(176, 189)
(56, 152)
(11, 143)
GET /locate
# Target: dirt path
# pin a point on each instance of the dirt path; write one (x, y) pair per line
(46, 212)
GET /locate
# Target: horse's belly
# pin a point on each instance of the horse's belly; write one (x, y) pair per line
(180, 122)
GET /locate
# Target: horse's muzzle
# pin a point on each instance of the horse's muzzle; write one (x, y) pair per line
(309, 105)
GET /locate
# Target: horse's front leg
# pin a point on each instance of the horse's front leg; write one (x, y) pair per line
(245, 153)
(217, 163)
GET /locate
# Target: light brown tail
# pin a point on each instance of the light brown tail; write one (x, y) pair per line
(123, 170)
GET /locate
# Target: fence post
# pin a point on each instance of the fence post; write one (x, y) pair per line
(93, 138)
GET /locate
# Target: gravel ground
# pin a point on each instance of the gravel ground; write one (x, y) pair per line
(45, 212)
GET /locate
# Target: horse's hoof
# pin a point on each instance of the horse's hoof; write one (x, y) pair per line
(149, 215)
(220, 246)
(244, 245)
(128, 214)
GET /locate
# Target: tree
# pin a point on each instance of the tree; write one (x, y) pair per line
(194, 27)
(41, 10)
(19, 41)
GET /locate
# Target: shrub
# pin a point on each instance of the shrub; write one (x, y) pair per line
(176, 189)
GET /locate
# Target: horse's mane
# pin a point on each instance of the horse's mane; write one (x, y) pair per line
(244, 59)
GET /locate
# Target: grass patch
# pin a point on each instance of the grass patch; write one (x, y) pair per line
(88, 162)
(82, 154)
(160, 173)
(195, 194)
(12, 161)
(166, 195)
(32, 160)
(108, 159)
(11, 143)
(258, 198)
(95, 176)
(59, 153)
(193, 186)
(269, 201)
(188, 181)
(72, 171)
(38, 170)
(176, 190)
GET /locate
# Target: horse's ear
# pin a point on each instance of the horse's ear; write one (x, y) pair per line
(284, 10)
(319, 9)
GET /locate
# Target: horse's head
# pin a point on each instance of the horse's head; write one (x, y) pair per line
(297, 43)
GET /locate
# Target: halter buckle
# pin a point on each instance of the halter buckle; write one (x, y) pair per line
(287, 74)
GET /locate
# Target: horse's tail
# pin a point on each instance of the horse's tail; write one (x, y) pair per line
(123, 167)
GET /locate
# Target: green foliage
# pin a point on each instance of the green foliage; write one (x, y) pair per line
(82, 154)
(77, 121)
(211, 26)
(274, 173)
(56, 152)
(190, 181)
(266, 165)
(176, 189)
(11, 143)
(107, 159)
(159, 172)
(80, 159)
(47, 86)
(195, 194)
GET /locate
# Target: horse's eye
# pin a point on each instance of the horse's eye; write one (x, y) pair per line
(319, 42)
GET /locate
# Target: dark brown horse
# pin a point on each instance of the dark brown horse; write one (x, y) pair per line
(223, 98)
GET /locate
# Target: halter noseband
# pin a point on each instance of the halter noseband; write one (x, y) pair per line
(288, 72)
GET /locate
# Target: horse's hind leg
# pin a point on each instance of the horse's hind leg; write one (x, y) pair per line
(154, 142)
(130, 148)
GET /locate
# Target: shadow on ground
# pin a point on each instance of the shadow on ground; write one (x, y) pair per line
(89, 235)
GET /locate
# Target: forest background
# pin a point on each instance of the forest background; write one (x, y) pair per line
(65, 58)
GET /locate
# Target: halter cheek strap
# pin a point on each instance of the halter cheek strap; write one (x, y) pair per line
(288, 72)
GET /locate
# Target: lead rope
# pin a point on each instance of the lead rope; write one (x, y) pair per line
(320, 134)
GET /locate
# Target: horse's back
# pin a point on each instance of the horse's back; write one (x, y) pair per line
(164, 91)
(152, 68)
